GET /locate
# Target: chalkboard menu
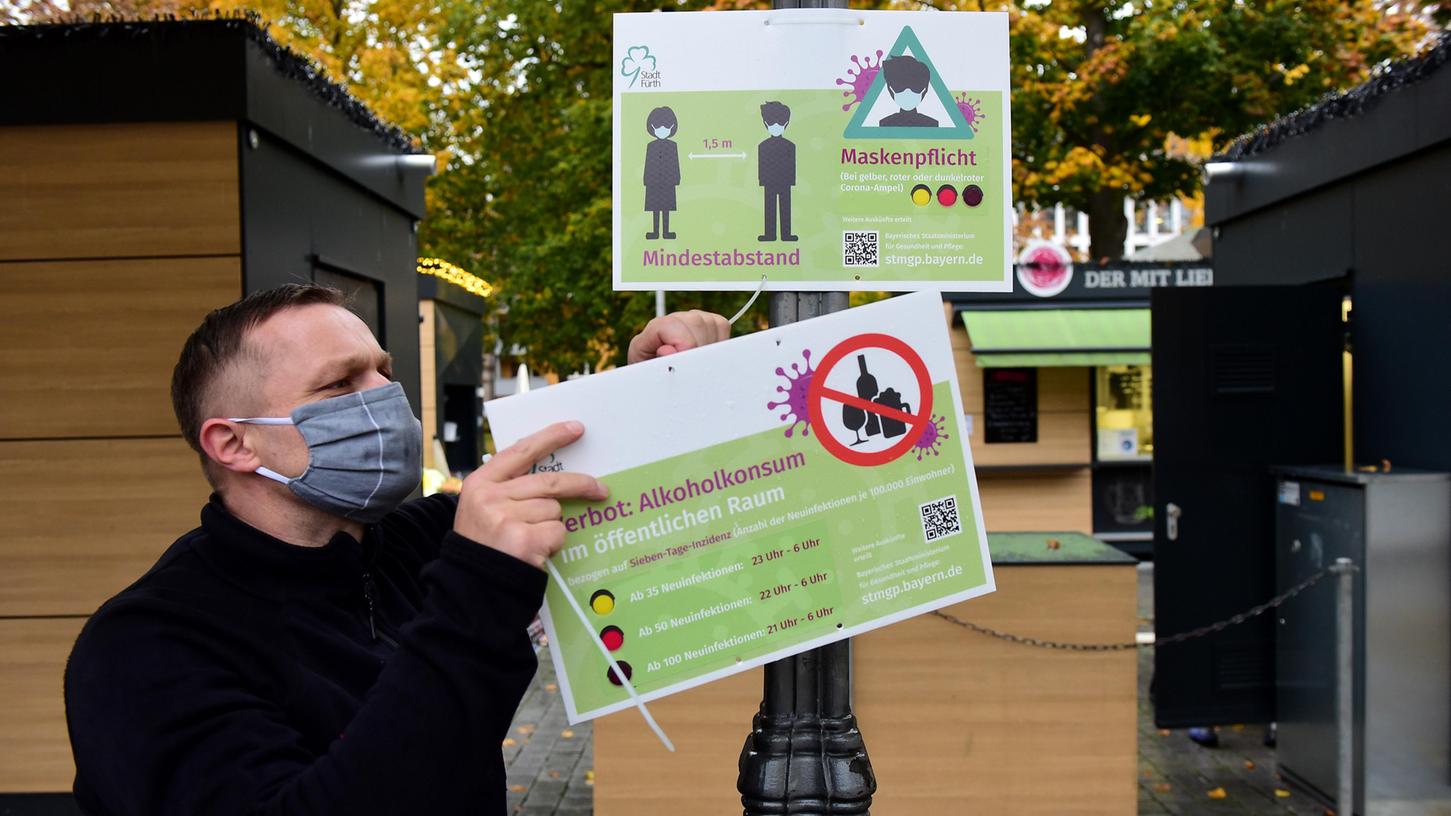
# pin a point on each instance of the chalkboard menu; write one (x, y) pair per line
(1010, 404)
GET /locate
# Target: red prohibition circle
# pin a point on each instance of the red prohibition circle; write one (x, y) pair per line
(816, 393)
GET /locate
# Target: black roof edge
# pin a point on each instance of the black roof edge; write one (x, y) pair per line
(1341, 104)
(1404, 111)
(234, 70)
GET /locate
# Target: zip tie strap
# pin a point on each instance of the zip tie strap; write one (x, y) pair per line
(746, 307)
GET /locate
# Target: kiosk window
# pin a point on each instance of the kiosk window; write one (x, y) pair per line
(1124, 413)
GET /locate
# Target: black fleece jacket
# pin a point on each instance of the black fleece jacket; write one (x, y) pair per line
(245, 675)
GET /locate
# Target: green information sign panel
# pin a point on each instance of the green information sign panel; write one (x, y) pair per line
(821, 149)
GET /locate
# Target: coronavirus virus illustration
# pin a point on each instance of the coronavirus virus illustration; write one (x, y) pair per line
(794, 400)
(858, 81)
(930, 442)
(971, 111)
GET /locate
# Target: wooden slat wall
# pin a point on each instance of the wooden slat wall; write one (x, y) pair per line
(1063, 438)
(427, 378)
(1031, 502)
(959, 723)
(115, 241)
(119, 191)
(954, 722)
(36, 754)
(82, 519)
(87, 347)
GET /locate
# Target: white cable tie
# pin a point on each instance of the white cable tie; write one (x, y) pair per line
(747, 307)
(615, 667)
(816, 17)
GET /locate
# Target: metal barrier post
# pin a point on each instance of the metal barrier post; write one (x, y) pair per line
(1345, 684)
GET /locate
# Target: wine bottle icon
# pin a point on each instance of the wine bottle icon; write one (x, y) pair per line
(866, 388)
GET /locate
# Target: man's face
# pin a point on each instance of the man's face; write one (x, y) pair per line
(303, 355)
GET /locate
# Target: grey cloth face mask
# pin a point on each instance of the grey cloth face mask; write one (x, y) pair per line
(365, 452)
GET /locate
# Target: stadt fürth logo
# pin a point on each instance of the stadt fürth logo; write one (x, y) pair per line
(639, 67)
(550, 465)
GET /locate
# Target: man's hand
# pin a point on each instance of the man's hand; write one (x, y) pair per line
(676, 332)
(506, 507)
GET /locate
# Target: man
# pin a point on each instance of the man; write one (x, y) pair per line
(907, 80)
(776, 170)
(316, 646)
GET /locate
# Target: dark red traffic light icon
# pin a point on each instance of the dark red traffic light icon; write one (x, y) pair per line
(624, 667)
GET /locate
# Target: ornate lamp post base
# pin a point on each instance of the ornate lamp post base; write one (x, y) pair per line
(804, 754)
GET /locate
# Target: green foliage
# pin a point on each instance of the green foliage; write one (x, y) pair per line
(526, 201)
(1115, 99)
(1108, 100)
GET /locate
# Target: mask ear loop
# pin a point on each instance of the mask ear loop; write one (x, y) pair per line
(746, 307)
(266, 471)
(615, 667)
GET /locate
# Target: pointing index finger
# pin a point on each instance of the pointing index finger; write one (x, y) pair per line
(517, 459)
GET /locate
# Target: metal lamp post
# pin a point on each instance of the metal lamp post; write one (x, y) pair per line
(804, 754)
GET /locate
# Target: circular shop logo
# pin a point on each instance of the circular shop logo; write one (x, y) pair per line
(1044, 268)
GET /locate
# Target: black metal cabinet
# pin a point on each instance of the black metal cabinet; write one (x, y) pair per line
(1397, 528)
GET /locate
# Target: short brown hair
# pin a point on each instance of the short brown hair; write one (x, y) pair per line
(219, 341)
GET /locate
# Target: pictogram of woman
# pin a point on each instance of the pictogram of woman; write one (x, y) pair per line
(662, 170)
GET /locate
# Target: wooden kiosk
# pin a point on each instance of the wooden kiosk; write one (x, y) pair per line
(954, 721)
(151, 172)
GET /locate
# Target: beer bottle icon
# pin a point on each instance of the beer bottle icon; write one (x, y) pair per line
(891, 399)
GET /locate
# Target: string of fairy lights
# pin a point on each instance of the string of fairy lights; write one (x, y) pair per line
(445, 271)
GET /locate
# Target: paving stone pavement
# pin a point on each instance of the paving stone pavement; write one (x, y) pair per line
(1178, 777)
(550, 763)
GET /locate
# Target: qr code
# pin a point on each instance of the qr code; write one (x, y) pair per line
(940, 519)
(859, 248)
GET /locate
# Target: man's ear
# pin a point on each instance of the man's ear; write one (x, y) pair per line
(225, 443)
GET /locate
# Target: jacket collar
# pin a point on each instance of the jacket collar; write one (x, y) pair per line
(273, 568)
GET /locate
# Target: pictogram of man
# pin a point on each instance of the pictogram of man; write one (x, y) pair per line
(776, 170)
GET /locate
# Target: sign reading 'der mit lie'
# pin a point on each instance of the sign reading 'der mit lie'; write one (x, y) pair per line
(768, 494)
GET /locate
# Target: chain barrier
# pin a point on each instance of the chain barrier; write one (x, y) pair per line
(1202, 631)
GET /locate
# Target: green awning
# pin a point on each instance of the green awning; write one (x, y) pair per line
(1039, 338)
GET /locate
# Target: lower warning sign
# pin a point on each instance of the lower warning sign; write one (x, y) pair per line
(768, 494)
(874, 411)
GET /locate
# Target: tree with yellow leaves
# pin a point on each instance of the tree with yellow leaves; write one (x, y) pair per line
(1110, 98)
